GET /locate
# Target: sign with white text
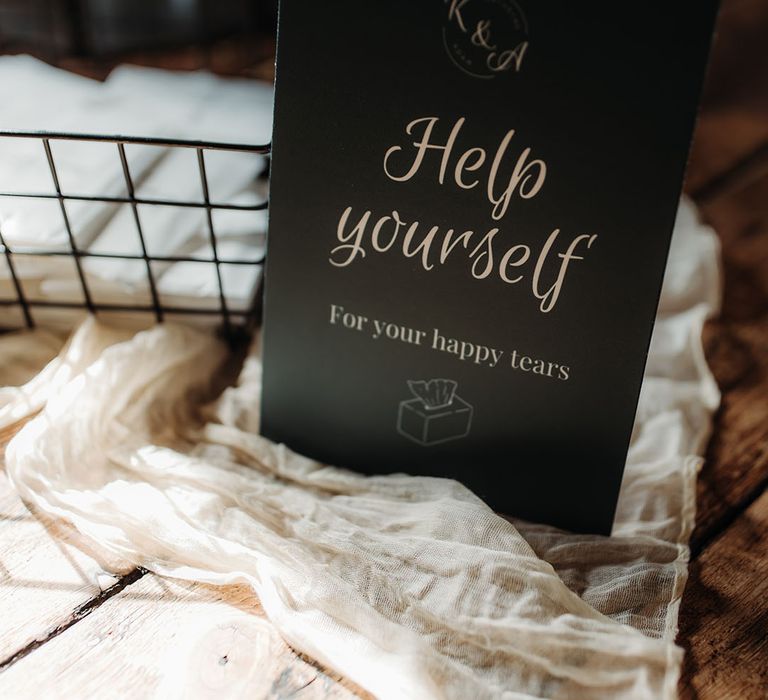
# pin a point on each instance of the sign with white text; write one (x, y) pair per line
(470, 212)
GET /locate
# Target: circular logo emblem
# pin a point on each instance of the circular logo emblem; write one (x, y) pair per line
(485, 38)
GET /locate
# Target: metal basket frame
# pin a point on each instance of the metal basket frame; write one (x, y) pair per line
(227, 316)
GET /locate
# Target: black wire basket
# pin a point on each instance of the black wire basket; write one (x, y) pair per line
(233, 323)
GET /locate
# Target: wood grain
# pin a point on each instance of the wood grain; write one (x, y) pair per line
(729, 171)
(41, 578)
(171, 639)
(725, 621)
(736, 470)
(732, 121)
(723, 615)
(47, 571)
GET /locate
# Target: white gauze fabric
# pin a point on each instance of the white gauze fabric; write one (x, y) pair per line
(409, 586)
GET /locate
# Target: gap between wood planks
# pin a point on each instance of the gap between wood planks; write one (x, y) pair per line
(79, 613)
(723, 631)
(723, 523)
(741, 175)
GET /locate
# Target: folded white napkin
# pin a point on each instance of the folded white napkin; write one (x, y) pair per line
(178, 231)
(50, 99)
(409, 586)
(139, 102)
(229, 110)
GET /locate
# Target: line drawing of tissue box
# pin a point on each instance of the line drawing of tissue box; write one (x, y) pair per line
(435, 413)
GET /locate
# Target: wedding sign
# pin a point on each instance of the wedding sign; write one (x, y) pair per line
(470, 212)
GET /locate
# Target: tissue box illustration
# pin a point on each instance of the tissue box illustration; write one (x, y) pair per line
(435, 414)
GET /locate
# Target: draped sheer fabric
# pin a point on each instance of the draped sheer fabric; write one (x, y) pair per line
(409, 586)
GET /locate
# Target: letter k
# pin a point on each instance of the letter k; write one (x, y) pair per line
(454, 12)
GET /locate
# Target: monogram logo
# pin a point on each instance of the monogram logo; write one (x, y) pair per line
(485, 38)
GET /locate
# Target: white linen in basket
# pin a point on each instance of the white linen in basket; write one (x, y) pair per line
(50, 99)
(135, 101)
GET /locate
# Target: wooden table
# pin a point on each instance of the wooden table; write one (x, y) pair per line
(724, 613)
(71, 629)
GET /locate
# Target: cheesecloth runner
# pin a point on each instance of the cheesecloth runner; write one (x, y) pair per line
(409, 586)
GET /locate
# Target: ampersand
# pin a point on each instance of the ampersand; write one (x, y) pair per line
(482, 35)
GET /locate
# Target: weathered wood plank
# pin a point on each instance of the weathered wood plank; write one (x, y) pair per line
(47, 571)
(736, 470)
(44, 576)
(726, 168)
(725, 621)
(724, 616)
(170, 639)
(74, 617)
(735, 102)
